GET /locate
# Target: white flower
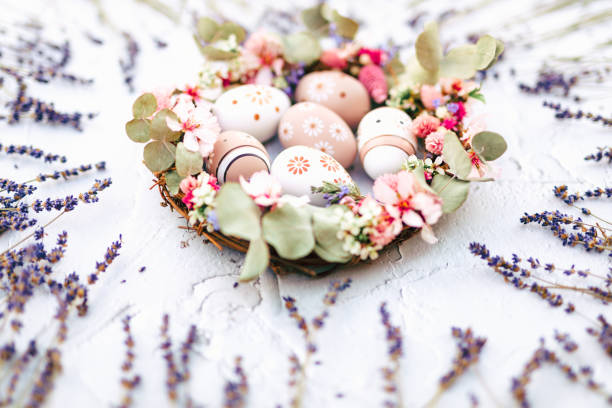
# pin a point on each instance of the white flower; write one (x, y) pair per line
(338, 132)
(442, 112)
(285, 131)
(312, 126)
(320, 89)
(325, 147)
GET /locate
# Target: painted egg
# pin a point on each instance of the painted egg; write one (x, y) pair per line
(385, 141)
(253, 109)
(337, 91)
(297, 168)
(237, 154)
(313, 125)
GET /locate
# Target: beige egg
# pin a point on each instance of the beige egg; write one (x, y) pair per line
(298, 168)
(337, 91)
(385, 141)
(313, 125)
(237, 154)
(254, 109)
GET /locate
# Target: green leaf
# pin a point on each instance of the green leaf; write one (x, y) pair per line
(489, 145)
(158, 156)
(485, 51)
(325, 226)
(345, 26)
(160, 129)
(301, 47)
(216, 54)
(206, 28)
(138, 130)
(475, 93)
(312, 18)
(289, 231)
(173, 180)
(453, 192)
(455, 155)
(419, 173)
(460, 62)
(428, 48)
(499, 48)
(237, 213)
(144, 106)
(187, 162)
(420, 75)
(256, 260)
(228, 28)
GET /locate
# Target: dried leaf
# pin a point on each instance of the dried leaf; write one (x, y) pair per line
(460, 62)
(187, 162)
(485, 51)
(138, 130)
(489, 145)
(237, 213)
(159, 155)
(289, 231)
(144, 106)
(455, 155)
(173, 180)
(256, 260)
(206, 28)
(428, 48)
(159, 126)
(301, 47)
(453, 192)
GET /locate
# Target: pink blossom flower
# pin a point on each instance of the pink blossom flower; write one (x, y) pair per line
(377, 56)
(199, 124)
(434, 142)
(333, 59)
(406, 200)
(265, 45)
(263, 188)
(385, 230)
(431, 97)
(188, 184)
(481, 169)
(456, 86)
(193, 92)
(164, 97)
(449, 123)
(425, 124)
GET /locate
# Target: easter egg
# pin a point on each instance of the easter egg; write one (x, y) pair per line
(337, 91)
(237, 154)
(297, 168)
(253, 109)
(385, 141)
(314, 125)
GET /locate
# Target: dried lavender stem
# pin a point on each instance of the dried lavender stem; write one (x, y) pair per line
(31, 235)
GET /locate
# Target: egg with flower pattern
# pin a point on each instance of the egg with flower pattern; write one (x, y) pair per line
(385, 141)
(313, 125)
(337, 91)
(237, 154)
(298, 168)
(253, 109)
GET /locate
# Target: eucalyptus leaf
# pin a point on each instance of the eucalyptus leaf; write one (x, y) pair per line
(160, 129)
(327, 12)
(420, 75)
(460, 62)
(395, 67)
(289, 231)
(325, 226)
(187, 162)
(158, 155)
(228, 28)
(428, 48)
(173, 180)
(256, 260)
(237, 213)
(489, 145)
(499, 48)
(345, 26)
(312, 18)
(419, 173)
(453, 192)
(301, 47)
(144, 106)
(456, 156)
(206, 28)
(216, 54)
(485, 48)
(138, 130)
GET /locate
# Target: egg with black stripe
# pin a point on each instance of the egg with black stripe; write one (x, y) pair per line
(237, 154)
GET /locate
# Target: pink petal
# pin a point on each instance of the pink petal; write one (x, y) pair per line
(173, 124)
(405, 184)
(412, 219)
(427, 235)
(191, 142)
(383, 192)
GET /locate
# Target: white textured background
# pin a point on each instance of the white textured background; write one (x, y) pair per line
(428, 288)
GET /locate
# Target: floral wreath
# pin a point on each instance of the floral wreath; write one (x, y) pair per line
(282, 231)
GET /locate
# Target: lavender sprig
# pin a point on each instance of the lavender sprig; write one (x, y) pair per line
(391, 373)
(235, 392)
(128, 383)
(602, 153)
(33, 152)
(112, 252)
(175, 376)
(566, 113)
(603, 334)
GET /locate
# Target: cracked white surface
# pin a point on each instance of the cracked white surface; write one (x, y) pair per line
(428, 288)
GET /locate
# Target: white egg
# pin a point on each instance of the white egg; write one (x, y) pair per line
(253, 109)
(385, 141)
(298, 168)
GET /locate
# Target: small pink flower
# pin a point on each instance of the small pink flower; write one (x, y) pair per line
(425, 124)
(188, 184)
(434, 142)
(333, 59)
(406, 200)
(431, 97)
(199, 124)
(263, 188)
(386, 229)
(449, 123)
(164, 97)
(481, 169)
(265, 45)
(193, 92)
(377, 56)
(476, 125)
